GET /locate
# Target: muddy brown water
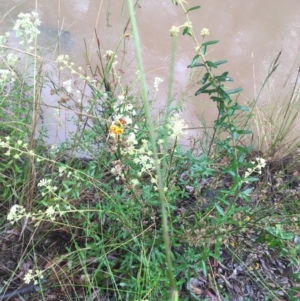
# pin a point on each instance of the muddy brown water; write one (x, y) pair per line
(251, 34)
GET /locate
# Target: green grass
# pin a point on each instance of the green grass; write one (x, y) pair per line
(137, 217)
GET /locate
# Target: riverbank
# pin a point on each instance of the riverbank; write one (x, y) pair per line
(119, 210)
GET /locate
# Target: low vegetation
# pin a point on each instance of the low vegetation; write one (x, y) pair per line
(119, 210)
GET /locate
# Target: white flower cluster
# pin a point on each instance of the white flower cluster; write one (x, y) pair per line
(157, 82)
(260, 164)
(68, 86)
(175, 30)
(124, 111)
(176, 126)
(47, 184)
(204, 32)
(117, 170)
(144, 158)
(18, 148)
(6, 77)
(3, 39)
(26, 28)
(12, 59)
(17, 212)
(63, 170)
(5, 143)
(33, 276)
(65, 63)
(109, 54)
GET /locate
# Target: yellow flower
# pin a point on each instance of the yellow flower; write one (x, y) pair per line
(116, 130)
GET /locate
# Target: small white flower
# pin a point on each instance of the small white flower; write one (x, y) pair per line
(204, 32)
(16, 213)
(44, 182)
(121, 97)
(157, 82)
(12, 59)
(109, 54)
(176, 126)
(128, 107)
(50, 213)
(128, 120)
(68, 85)
(33, 277)
(135, 182)
(28, 277)
(188, 24)
(174, 31)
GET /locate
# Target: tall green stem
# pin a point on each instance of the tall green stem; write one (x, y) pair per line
(166, 238)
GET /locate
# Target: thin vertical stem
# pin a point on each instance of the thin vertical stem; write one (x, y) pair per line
(166, 238)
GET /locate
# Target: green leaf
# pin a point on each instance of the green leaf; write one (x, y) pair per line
(235, 135)
(222, 77)
(17, 169)
(187, 31)
(251, 179)
(234, 91)
(201, 90)
(194, 61)
(217, 99)
(204, 269)
(205, 78)
(210, 42)
(196, 65)
(241, 108)
(193, 8)
(221, 62)
(203, 49)
(211, 64)
(277, 231)
(243, 150)
(218, 207)
(244, 132)
(209, 91)
(224, 74)
(223, 94)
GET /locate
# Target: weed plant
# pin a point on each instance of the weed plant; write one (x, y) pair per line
(119, 211)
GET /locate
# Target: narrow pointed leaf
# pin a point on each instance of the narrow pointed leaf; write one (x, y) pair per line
(211, 64)
(202, 89)
(215, 98)
(243, 150)
(203, 49)
(221, 211)
(209, 91)
(220, 62)
(242, 108)
(197, 65)
(193, 8)
(205, 78)
(194, 61)
(234, 91)
(244, 132)
(210, 42)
